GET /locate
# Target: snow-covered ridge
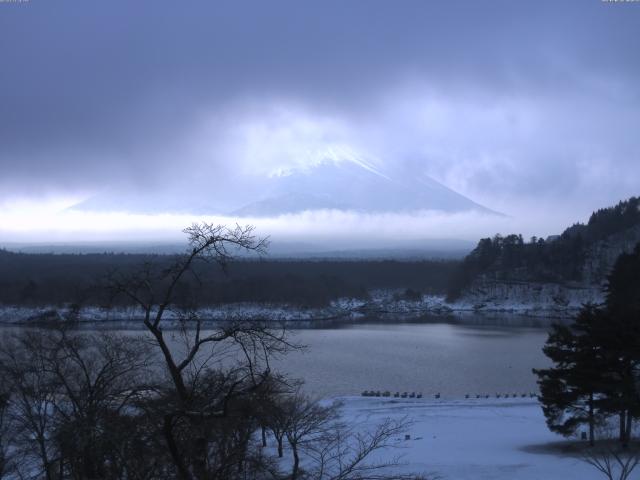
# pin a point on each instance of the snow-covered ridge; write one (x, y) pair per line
(534, 299)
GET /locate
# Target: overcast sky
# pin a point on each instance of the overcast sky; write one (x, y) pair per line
(531, 108)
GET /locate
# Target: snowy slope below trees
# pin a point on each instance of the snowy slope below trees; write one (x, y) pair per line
(529, 298)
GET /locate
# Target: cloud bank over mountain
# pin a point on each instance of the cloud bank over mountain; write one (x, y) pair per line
(338, 179)
(530, 109)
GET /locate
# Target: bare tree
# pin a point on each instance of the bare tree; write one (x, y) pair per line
(68, 393)
(274, 416)
(154, 290)
(99, 376)
(306, 421)
(612, 460)
(31, 404)
(271, 411)
(205, 395)
(345, 453)
(4, 400)
(6, 457)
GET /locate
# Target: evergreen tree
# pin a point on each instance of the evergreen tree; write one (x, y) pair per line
(569, 389)
(620, 340)
(597, 359)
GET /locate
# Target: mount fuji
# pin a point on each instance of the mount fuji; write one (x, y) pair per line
(356, 186)
(336, 182)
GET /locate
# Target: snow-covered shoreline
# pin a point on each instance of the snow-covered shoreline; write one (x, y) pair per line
(384, 305)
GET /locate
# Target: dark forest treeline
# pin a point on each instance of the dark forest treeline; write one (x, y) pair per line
(558, 259)
(56, 279)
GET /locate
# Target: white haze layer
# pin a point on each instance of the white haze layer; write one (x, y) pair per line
(52, 221)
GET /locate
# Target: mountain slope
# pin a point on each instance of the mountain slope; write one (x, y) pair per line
(341, 183)
(349, 185)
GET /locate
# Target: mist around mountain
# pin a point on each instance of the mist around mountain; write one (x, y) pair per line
(340, 182)
(537, 276)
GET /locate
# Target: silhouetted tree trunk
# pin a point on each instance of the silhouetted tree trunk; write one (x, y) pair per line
(296, 462)
(591, 420)
(280, 448)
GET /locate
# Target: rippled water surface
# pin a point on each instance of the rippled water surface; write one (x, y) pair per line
(468, 357)
(447, 358)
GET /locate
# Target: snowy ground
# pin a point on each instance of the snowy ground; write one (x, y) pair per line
(474, 439)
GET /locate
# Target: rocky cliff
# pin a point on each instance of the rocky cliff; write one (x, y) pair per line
(602, 255)
(558, 298)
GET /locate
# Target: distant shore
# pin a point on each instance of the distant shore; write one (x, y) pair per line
(382, 306)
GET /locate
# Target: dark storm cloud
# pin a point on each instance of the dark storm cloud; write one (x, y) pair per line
(106, 92)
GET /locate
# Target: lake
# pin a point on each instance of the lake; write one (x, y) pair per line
(453, 359)
(453, 356)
